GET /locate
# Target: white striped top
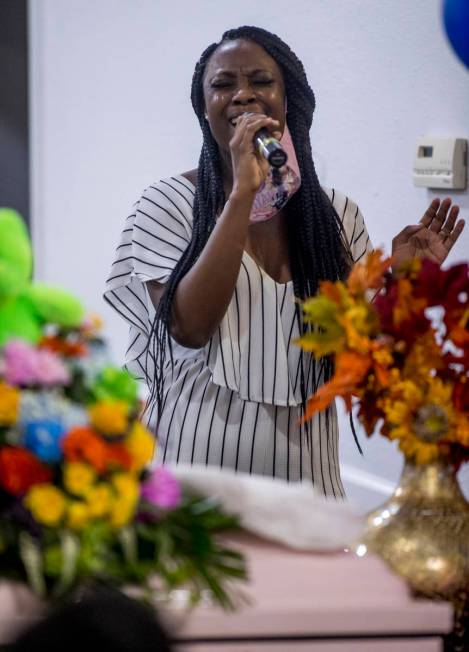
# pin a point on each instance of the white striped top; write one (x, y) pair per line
(237, 401)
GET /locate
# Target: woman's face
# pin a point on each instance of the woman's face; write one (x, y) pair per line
(241, 77)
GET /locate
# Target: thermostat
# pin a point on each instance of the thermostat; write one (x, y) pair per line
(441, 163)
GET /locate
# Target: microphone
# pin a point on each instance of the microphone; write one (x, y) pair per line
(270, 148)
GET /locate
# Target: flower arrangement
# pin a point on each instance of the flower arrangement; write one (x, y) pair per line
(400, 345)
(76, 500)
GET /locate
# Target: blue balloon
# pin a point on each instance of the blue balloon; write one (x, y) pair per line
(456, 20)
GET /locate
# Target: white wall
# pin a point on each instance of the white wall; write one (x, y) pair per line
(110, 83)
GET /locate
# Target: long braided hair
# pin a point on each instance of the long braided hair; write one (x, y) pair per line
(317, 250)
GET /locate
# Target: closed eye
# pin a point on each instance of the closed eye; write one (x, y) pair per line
(222, 84)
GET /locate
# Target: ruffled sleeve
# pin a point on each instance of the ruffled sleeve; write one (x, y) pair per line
(155, 235)
(355, 231)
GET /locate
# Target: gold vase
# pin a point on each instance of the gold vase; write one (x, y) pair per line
(422, 532)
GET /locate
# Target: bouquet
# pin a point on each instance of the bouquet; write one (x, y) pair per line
(400, 347)
(77, 503)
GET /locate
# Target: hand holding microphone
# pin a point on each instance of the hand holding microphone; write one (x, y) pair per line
(255, 149)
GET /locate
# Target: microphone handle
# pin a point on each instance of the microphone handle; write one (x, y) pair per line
(270, 148)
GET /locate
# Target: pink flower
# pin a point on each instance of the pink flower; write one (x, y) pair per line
(50, 368)
(162, 489)
(27, 365)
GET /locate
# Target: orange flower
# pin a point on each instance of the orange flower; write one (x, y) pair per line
(369, 274)
(331, 290)
(9, 403)
(351, 369)
(62, 346)
(81, 444)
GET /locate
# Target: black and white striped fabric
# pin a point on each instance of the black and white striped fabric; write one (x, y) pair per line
(236, 402)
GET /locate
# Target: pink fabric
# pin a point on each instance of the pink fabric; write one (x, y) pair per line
(271, 197)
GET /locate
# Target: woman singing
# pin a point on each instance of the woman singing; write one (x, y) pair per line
(212, 263)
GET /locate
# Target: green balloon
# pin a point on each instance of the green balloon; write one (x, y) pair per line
(54, 305)
(15, 254)
(117, 384)
(18, 321)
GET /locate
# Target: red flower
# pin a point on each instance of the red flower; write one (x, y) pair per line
(62, 346)
(401, 314)
(461, 396)
(20, 470)
(442, 287)
(118, 455)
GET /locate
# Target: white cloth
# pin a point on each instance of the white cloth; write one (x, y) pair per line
(292, 514)
(236, 402)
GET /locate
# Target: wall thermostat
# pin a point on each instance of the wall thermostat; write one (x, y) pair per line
(441, 163)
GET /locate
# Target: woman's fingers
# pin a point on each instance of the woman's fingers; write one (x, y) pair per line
(253, 125)
(448, 226)
(454, 235)
(440, 217)
(430, 212)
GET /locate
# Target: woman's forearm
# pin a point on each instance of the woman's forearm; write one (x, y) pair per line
(203, 295)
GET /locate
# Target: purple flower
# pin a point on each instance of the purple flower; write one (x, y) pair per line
(26, 365)
(161, 489)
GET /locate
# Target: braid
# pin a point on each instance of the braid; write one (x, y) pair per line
(316, 248)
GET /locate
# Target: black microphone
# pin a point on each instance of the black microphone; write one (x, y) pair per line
(270, 148)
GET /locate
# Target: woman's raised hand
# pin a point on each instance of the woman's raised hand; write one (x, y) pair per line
(432, 238)
(250, 168)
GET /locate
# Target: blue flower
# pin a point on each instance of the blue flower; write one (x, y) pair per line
(42, 437)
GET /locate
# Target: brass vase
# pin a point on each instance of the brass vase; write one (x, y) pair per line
(422, 532)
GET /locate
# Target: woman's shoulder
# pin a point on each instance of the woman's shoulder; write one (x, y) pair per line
(352, 221)
(174, 189)
(191, 176)
(168, 201)
(343, 204)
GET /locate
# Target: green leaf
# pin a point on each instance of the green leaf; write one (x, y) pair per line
(70, 550)
(31, 557)
(128, 540)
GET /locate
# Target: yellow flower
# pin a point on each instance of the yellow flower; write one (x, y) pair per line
(78, 515)
(383, 356)
(141, 445)
(423, 357)
(9, 402)
(46, 503)
(110, 417)
(407, 304)
(418, 451)
(125, 501)
(440, 393)
(99, 500)
(420, 417)
(410, 392)
(397, 412)
(78, 478)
